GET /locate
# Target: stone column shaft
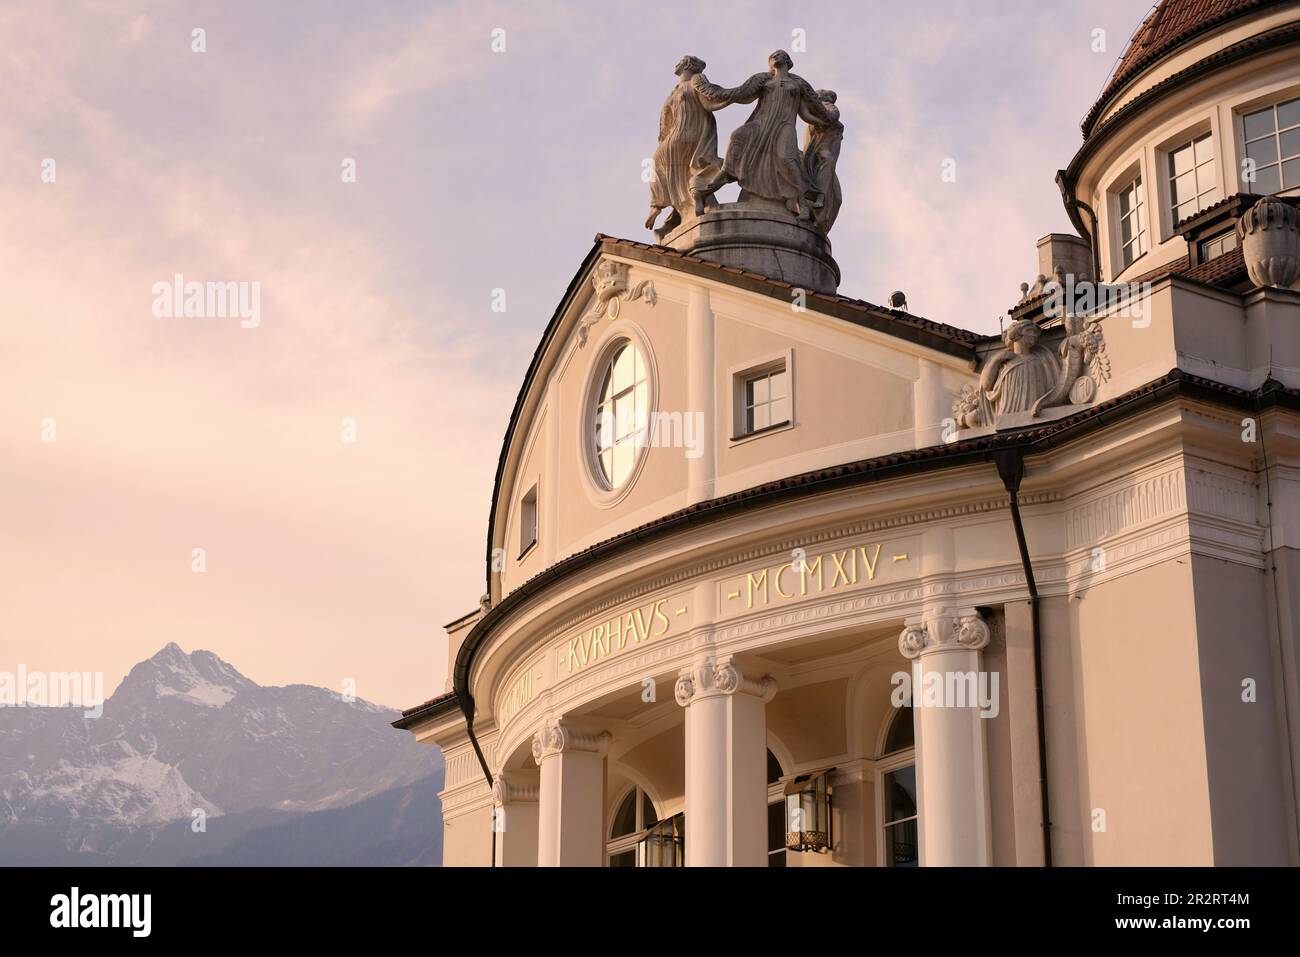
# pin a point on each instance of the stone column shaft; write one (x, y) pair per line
(951, 754)
(726, 764)
(571, 800)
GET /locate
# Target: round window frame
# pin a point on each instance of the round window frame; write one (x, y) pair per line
(603, 349)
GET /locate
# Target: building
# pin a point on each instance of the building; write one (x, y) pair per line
(775, 576)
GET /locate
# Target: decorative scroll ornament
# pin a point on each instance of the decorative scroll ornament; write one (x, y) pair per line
(965, 631)
(719, 676)
(557, 736)
(1025, 376)
(507, 790)
(610, 279)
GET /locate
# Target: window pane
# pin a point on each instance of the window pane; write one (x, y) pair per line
(900, 793)
(902, 733)
(607, 465)
(1263, 151)
(1126, 229)
(760, 418)
(623, 368)
(1291, 173)
(780, 410)
(625, 859)
(1288, 114)
(1258, 123)
(1183, 211)
(778, 386)
(901, 845)
(625, 816)
(648, 816)
(623, 422)
(758, 390)
(1180, 160)
(776, 826)
(1205, 180)
(1183, 188)
(1204, 149)
(1267, 180)
(623, 458)
(1290, 141)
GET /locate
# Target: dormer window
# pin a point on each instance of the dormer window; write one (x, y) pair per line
(1217, 246)
(1193, 184)
(1272, 140)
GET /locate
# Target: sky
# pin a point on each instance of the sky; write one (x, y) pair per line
(303, 488)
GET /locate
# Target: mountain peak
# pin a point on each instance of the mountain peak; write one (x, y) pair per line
(200, 678)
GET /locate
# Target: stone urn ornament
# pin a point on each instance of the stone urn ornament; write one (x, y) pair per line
(1270, 242)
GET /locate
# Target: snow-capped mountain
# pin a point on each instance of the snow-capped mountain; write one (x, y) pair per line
(186, 738)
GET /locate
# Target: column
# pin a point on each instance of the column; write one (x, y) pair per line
(514, 818)
(951, 754)
(571, 798)
(701, 390)
(726, 763)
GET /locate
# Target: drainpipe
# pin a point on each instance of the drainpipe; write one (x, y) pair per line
(1011, 469)
(467, 708)
(1072, 206)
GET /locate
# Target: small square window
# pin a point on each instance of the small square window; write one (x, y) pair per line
(762, 399)
(528, 521)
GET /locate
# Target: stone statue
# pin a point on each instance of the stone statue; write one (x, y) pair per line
(821, 151)
(1024, 373)
(686, 158)
(1026, 376)
(763, 153)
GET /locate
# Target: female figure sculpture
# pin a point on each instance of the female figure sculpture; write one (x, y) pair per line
(763, 153)
(821, 151)
(1023, 374)
(687, 155)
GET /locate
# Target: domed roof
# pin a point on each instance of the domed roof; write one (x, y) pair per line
(1170, 25)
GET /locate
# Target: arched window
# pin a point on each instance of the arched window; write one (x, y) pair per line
(897, 792)
(637, 838)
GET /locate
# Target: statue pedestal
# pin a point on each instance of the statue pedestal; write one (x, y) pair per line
(763, 237)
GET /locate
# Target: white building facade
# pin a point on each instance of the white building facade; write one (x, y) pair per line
(776, 577)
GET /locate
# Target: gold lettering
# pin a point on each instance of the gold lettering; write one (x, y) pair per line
(838, 573)
(614, 630)
(777, 581)
(659, 613)
(599, 643)
(870, 562)
(754, 582)
(642, 627)
(808, 567)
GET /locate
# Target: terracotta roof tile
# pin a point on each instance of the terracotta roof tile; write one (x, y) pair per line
(1169, 26)
(1220, 270)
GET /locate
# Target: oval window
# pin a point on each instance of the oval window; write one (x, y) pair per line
(620, 415)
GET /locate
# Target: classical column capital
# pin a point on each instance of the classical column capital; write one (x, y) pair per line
(558, 736)
(949, 630)
(508, 788)
(720, 676)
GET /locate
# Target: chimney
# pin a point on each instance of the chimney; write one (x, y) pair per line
(1070, 253)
